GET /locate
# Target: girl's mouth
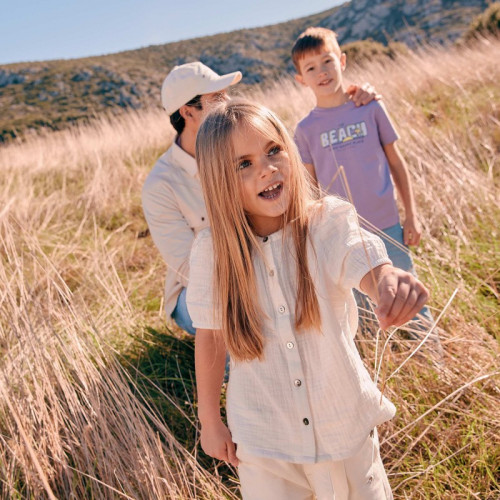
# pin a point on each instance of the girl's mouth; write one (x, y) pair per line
(272, 192)
(325, 82)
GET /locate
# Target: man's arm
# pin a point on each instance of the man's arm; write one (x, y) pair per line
(169, 229)
(411, 226)
(399, 295)
(210, 358)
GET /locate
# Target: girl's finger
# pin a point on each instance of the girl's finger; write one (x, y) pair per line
(387, 292)
(222, 454)
(423, 297)
(408, 310)
(399, 301)
(231, 454)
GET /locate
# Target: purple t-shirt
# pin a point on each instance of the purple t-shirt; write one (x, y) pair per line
(353, 137)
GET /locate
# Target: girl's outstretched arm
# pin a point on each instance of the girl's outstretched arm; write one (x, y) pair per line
(210, 360)
(399, 295)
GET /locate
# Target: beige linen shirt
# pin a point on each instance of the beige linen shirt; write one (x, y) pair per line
(311, 399)
(172, 200)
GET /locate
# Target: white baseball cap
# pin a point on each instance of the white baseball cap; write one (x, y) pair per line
(187, 81)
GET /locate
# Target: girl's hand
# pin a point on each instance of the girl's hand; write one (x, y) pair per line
(216, 441)
(401, 296)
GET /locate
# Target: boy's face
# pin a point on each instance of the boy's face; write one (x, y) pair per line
(322, 71)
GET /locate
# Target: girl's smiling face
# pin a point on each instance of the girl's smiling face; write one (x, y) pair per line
(263, 168)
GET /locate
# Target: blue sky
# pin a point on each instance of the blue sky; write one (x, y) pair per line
(37, 30)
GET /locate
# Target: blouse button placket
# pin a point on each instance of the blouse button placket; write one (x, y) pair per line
(284, 330)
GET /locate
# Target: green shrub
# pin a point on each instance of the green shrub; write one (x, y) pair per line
(365, 51)
(487, 23)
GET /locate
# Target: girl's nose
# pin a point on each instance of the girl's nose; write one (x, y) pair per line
(267, 167)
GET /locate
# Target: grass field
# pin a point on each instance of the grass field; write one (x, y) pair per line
(97, 394)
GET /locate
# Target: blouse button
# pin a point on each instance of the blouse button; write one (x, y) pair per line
(306, 421)
(271, 273)
(265, 239)
(203, 218)
(298, 383)
(281, 309)
(370, 480)
(289, 345)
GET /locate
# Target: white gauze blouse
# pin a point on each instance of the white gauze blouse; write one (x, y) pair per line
(311, 399)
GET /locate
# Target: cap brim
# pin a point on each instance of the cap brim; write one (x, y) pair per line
(224, 82)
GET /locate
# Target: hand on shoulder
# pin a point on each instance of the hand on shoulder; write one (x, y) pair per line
(361, 95)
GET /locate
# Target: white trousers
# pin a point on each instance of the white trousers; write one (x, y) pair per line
(361, 477)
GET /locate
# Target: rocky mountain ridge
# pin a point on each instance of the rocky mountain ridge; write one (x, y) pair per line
(56, 94)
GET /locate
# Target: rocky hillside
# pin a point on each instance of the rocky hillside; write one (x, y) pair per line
(55, 94)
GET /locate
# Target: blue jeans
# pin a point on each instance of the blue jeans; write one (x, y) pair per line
(181, 314)
(401, 258)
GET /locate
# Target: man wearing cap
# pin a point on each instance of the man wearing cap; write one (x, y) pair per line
(172, 198)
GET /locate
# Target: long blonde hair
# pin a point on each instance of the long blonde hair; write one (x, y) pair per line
(234, 240)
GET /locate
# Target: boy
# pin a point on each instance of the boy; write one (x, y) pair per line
(362, 140)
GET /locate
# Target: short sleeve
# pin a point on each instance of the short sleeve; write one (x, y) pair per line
(302, 145)
(200, 293)
(349, 252)
(386, 131)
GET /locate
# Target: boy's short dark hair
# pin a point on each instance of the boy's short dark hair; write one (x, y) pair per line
(313, 40)
(176, 118)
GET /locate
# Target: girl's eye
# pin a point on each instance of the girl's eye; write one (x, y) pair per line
(274, 150)
(243, 164)
(309, 69)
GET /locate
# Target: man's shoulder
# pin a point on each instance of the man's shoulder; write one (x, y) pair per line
(165, 169)
(164, 163)
(161, 176)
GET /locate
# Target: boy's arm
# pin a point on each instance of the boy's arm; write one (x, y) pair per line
(399, 295)
(411, 226)
(210, 360)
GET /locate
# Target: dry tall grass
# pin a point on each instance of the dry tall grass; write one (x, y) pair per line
(78, 287)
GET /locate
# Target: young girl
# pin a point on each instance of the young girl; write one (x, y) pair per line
(271, 282)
